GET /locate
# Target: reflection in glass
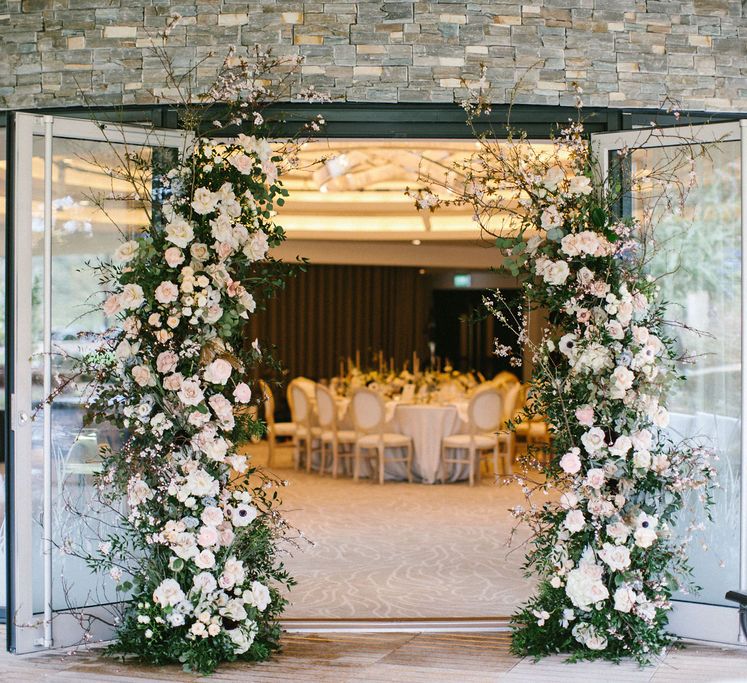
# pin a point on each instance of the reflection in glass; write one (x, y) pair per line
(700, 245)
(90, 211)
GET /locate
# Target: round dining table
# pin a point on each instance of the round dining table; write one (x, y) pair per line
(427, 424)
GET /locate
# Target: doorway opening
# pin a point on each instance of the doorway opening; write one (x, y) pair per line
(393, 300)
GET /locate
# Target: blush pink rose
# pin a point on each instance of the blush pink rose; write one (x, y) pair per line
(585, 415)
(208, 536)
(167, 292)
(173, 256)
(173, 382)
(112, 305)
(166, 362)
(571, 462)
(242, 393)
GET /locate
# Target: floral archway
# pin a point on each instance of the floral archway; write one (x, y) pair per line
(196, 550)
(603, 548)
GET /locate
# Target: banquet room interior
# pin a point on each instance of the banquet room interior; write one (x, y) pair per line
(385, 319)
(388, 302)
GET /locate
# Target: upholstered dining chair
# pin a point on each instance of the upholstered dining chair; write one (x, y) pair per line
(274, 429)
(485, 413)
(332, 438)
(369, 417)
(306, 434)
(505, 377)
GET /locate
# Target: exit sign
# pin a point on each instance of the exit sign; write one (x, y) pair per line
(462, 280)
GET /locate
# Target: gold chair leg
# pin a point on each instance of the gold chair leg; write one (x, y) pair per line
(335, 458)
(381, 464)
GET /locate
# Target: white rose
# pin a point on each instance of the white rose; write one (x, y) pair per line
(619, 531)
(203, 201)
(168, 593)
(256, 248)
(138, 492)
(641, 439)
(642, 459)
(616, 557)
(661, 417)
(173, 382)
(621, 446)
(222, 229)
(190, 393)
(233, 570)
(205, 559)
(218, 371)
(640, 335)
(622, 378)
(199, 483)
(248, 302)
(242, 163)
(212, 515)
(234, 610)
(593, 440)
(595, 478)
(204, 582)
(557, 273)
(126, 251)
(179, 232)
(131, 297)
(207, 536)
(574, 521)
(553, 177)
(124, 350)
(584, 585)
(258, 597)
(241, 641)
(624, 599)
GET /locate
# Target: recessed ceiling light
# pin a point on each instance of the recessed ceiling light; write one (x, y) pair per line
(323, 188)
(416, 243)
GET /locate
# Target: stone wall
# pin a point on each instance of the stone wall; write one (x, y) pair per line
(622, 53)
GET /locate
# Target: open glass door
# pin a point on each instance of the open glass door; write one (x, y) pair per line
(702, 245)
(70, 208)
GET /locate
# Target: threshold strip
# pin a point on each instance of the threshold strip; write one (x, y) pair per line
(397, 625)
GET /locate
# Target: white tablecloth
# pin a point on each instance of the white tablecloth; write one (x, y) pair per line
(427, 424)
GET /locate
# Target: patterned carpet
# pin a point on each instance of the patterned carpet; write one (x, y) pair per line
(402, 550)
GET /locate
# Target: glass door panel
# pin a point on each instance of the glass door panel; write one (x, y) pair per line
(73, 211)
(699, 246)
(3, 455)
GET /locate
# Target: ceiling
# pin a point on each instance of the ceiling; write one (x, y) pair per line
(356, 190)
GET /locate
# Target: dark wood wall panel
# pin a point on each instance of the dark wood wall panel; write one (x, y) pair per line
(330, 311)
